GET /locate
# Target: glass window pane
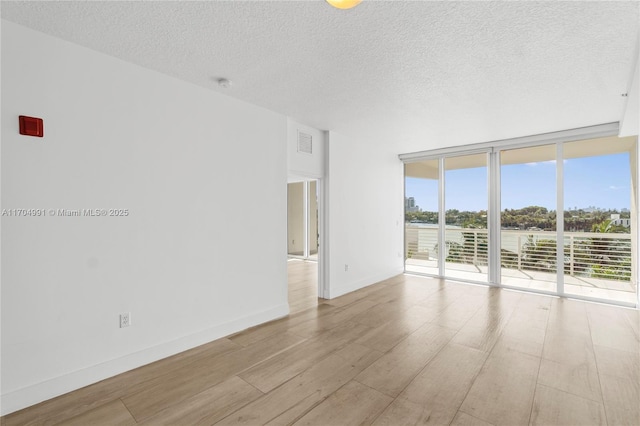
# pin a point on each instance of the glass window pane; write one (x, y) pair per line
(466, 202)
(598, 222)
(421, 217)
(528, 218)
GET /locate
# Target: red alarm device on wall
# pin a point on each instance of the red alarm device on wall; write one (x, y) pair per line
(31, 126)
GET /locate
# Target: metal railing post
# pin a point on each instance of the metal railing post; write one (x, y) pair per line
(519, 252)
(475, 247)
(571, 254)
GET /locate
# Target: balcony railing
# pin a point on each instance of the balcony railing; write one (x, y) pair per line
(586, 254)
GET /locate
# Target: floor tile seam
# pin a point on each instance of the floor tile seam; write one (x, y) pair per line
(126, 394)
(224, 377)
(498, 337)
(244, 405)
(537, 382)
(264, 395)
(601, 403)
(636, 331)
(470, 415)
(380, 392)
(317, 361)
(433, 356)
(129, 410)
(593, 351)
(471, 383)
(484, 363)
(635, 377)
(305, 412)
(328, 395)
(619, 349)
(195, 395)
(393, 398)
(304, 340)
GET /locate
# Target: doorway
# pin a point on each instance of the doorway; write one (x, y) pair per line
(302, 244)
(302, 220)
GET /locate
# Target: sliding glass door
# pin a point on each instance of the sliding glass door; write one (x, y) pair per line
(598, 192)
(466, 201)
(528, 239)
(421, 217)
(555, 218)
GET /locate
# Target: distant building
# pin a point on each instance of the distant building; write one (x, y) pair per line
(615, 220)
(410, 205)
(409, 202)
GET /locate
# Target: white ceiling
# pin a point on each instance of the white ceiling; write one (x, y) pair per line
(413, 74)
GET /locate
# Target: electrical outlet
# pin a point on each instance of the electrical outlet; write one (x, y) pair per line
(346, 267)
(125, 320)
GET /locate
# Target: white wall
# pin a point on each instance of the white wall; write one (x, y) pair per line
(120, 136)
(366, 213)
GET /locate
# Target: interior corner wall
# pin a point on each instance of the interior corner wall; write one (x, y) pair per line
(365, 213)
(184, 163)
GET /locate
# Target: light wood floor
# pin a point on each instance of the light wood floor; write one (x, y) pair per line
(303, 285)
(408, 350)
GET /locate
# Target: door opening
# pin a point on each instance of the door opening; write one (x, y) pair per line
(302, 244)
(302, 220)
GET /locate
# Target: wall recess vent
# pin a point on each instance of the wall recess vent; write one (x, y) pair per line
(305, 143)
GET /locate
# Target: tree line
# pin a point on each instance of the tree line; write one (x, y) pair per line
(577, 220)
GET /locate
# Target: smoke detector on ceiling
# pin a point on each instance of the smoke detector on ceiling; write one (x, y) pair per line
(224, 83)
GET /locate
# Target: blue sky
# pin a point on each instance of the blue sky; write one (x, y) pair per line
(602, 181)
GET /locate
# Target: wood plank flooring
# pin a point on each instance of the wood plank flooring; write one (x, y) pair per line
(405, 351)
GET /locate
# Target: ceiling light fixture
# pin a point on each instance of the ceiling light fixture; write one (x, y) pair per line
(344, 4)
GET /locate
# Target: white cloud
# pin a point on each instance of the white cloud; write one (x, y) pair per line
(548, 162)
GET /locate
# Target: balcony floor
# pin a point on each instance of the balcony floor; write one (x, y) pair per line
(617, 291)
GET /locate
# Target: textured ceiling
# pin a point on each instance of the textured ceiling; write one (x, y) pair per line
(412, 74)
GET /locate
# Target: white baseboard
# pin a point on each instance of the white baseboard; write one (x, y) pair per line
(365, 282)
(30, 395)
